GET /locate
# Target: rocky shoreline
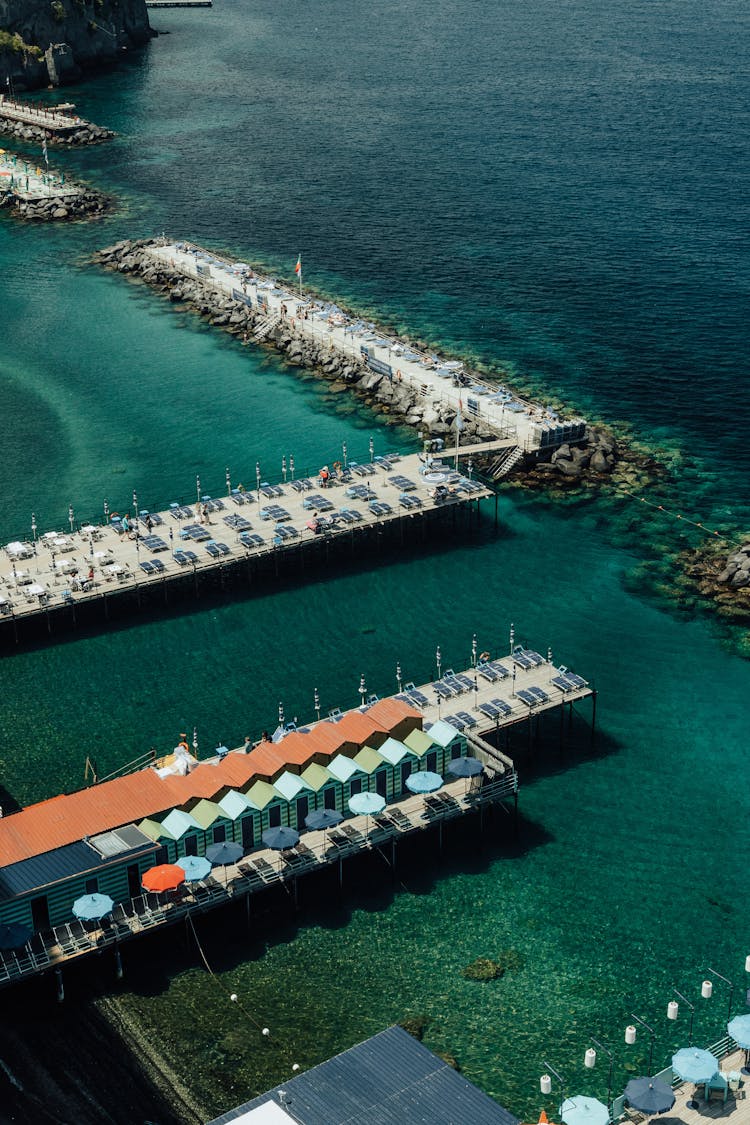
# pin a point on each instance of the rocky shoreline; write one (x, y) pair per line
(88, 134)
(721, 574)
(590, 462)
(86, 204)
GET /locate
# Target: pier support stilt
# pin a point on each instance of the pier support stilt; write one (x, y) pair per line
(593, 719)
(60, 986)
(118, 964)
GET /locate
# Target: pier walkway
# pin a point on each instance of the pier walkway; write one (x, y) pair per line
(49, 119)
(27, 182)
(529, 425)
(261, 869)
(91, 563)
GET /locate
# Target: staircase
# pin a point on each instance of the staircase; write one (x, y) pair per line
(502, 465)
(266, 327)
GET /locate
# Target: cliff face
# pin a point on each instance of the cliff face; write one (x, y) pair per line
(53, 41)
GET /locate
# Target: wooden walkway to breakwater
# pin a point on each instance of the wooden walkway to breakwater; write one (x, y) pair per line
(59, 572)
(526, 425)
(34, 121)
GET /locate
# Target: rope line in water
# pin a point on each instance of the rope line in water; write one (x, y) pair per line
(670, 512)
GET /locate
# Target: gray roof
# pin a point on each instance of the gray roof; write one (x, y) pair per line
(390, 1079)
(81, 858)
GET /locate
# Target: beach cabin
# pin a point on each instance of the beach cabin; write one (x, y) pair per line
(273, 808)
(400, 761)
(217, 826)
(323, 786)
(245, 818)
(448, 743)
(297, 794)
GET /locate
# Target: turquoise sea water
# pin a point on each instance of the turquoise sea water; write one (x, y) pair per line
(557, 190)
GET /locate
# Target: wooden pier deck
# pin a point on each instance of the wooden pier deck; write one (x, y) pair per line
(256, 872)
(89, 564)
(43, 117)
(525, 424)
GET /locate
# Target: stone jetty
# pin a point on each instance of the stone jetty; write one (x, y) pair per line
(395, 375)
(33, 193)
(30, 121)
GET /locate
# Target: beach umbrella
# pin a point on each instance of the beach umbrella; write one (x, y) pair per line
(323, 819)
(464, 767)
(280, 838)
(92, 907)
(693, 1064)
(222, 854)
(14, 935)
(366, 804)
(582, 1110)
(163, 877)
(649, 1095)
(424, 781)
(194, 866)
(739, 1029)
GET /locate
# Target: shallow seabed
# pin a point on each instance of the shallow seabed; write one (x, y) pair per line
(556, 191)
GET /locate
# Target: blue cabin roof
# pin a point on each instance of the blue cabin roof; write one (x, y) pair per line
(63, 863)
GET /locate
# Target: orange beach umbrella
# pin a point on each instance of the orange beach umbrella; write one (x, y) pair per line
(165, 877)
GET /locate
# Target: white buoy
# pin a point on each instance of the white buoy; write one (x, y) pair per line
(673, 1009)
(707, 989)
(545, 1084)
(295, 1066)
(747, 964)
(266, 1031)
(630, 1034)
(589, 1059)
(233, 997)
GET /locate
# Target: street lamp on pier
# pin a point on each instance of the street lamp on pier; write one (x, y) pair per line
(707, 989)
(316, 703)
(673, 1011)
(631, 1036)
(438, 661)
(398, 674)
(362, 688)
(474, 651)
(589, 1060)
(372, 449)
(33, 529)
(228, 478)
(71, 517)
(545, 1082)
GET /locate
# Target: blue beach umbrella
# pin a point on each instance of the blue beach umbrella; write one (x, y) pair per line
(739, 1029)
(14, 935)
(465, 767)
(693, 1064)
(649, 1095)
(90, 908)
(424, 781)
(222, 854)
(582, 1110)
(195, 867)
(323, 819)
(280, 838)
(366, 804)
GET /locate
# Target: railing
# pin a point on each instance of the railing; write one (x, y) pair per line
(722, 1047)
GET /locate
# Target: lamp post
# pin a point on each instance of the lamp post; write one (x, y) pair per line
(257, 478)
(106, 512)
(362, 688)
(549, 654)
(344, 452)
(630, 1037)
(291, 466)
(281, 714)
(476, 692)
(372, 450)
(71, 517)
(33, 529)
(589, 1060)
(198, 490)
(283, 468)
(545, 1082)
(673, 1011)
(706, 991)
(474, 651)
(512, 636)
(228, 478)
(513, 693)
(316, 703)
(398, 674)
(438, 661)
(135, 506)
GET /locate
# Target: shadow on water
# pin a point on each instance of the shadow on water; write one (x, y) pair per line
(214, 590)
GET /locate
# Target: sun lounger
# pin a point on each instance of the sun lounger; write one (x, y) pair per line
(250, 539)
(540, 694)
(503, 707)
(522, 660)
(487, 672)
(303, 485)
(154, 543)
(562, 683)
(527, 697)
(489, 710)
(416, 695)
(380, 508)
(468, 720)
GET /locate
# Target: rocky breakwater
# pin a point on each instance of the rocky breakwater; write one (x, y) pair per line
(85, 203)
(583, 465)
(722, 575)
(87, 134)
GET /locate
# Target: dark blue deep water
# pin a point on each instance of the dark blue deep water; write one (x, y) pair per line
(556, 190)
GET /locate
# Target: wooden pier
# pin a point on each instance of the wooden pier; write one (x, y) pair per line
(27, 182)
(57, 574)
(49, 952)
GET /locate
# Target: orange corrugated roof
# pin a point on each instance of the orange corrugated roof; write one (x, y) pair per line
(69, 817)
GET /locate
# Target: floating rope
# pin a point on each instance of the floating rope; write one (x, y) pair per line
(673, 514)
